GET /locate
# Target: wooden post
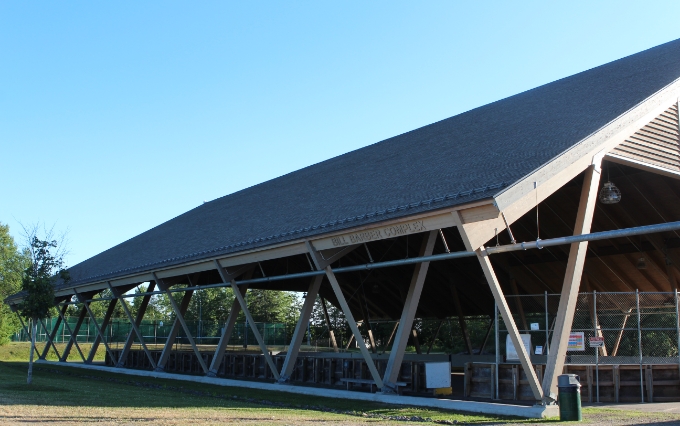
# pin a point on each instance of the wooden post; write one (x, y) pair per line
(98, 337)
(74, 337)
(570, 286)
(504, 309)
(50, 336)
(135, 327)
(353, 326)
(138, 321)
(328, 324)
(461, 319)
(408, 314)
(180, 318)
(83, 299)
(174, 331)
(256, 332)
(300, 328)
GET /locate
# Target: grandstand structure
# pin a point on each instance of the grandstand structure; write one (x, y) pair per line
(514, 198)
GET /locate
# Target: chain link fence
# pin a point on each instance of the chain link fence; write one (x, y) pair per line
(608, 328)
(156, 332)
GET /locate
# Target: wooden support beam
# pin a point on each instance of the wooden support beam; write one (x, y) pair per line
(74, 337)
(434, 338)
(394, 330)
(300, 328)
(416, 341)
(503, 308)
(324, 264)
(486, 336)
(570, 286)
(364, 311)
(408, 315)
(135, 327)
(229, 325)
(138, 321)
(82, 298)
(26, 330)
(98, 337)
(180, 318)
(328, 324)
(51, 335)
(353, 325)
(256, 332)
(461, 318)
(174, 331)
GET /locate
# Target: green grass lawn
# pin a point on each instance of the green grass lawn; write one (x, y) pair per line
(69, 395)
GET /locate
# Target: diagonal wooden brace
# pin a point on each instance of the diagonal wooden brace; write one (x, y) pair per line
(233, 314)
(50, 336)
(570, 286)
(300, 328)
(86, 304)
(72, 336)
(174, 331)
(117, 293)
(408, 315)
(180, 317)
(28, 333)
(249, 318)
(98, 337)
(503, 307)
(138, 321)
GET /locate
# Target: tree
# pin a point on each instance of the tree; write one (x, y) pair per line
(46, 267)
(12, 264)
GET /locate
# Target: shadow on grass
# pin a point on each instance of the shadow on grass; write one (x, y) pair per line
(68, 386)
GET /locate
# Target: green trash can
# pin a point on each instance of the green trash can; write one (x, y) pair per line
(569, 397)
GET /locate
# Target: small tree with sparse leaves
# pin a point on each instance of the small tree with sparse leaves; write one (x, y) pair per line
(38, 285)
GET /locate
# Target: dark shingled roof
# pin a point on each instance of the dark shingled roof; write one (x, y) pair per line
(467, 157)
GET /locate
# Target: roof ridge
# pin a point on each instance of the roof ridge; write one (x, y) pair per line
(306, 229)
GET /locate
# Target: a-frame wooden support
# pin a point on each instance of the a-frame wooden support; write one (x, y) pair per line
(300, 328)
(503, 308)
(256, 332)
(73, 335)
(324, 264)
(135, 326)
(174, 331)
(331, 333)
(233, 314)
(408, 314)
(570, 286)
(138, 321)
(98, 337)
(178, 314)
(23, 325)
(82, 298)
(51, 335)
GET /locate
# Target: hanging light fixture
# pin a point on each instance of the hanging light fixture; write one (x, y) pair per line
(610, 194)
(641, 263)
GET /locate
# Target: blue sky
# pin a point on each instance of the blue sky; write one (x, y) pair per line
(115, 117)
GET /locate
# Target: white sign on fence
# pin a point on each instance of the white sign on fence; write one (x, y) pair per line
(510, 352)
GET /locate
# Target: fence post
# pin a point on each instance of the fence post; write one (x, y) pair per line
(498, 349)
(596, 326)
(547, 326)
(677, 324)
(637, 304)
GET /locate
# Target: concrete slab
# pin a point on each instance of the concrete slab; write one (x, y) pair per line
(523, 411)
